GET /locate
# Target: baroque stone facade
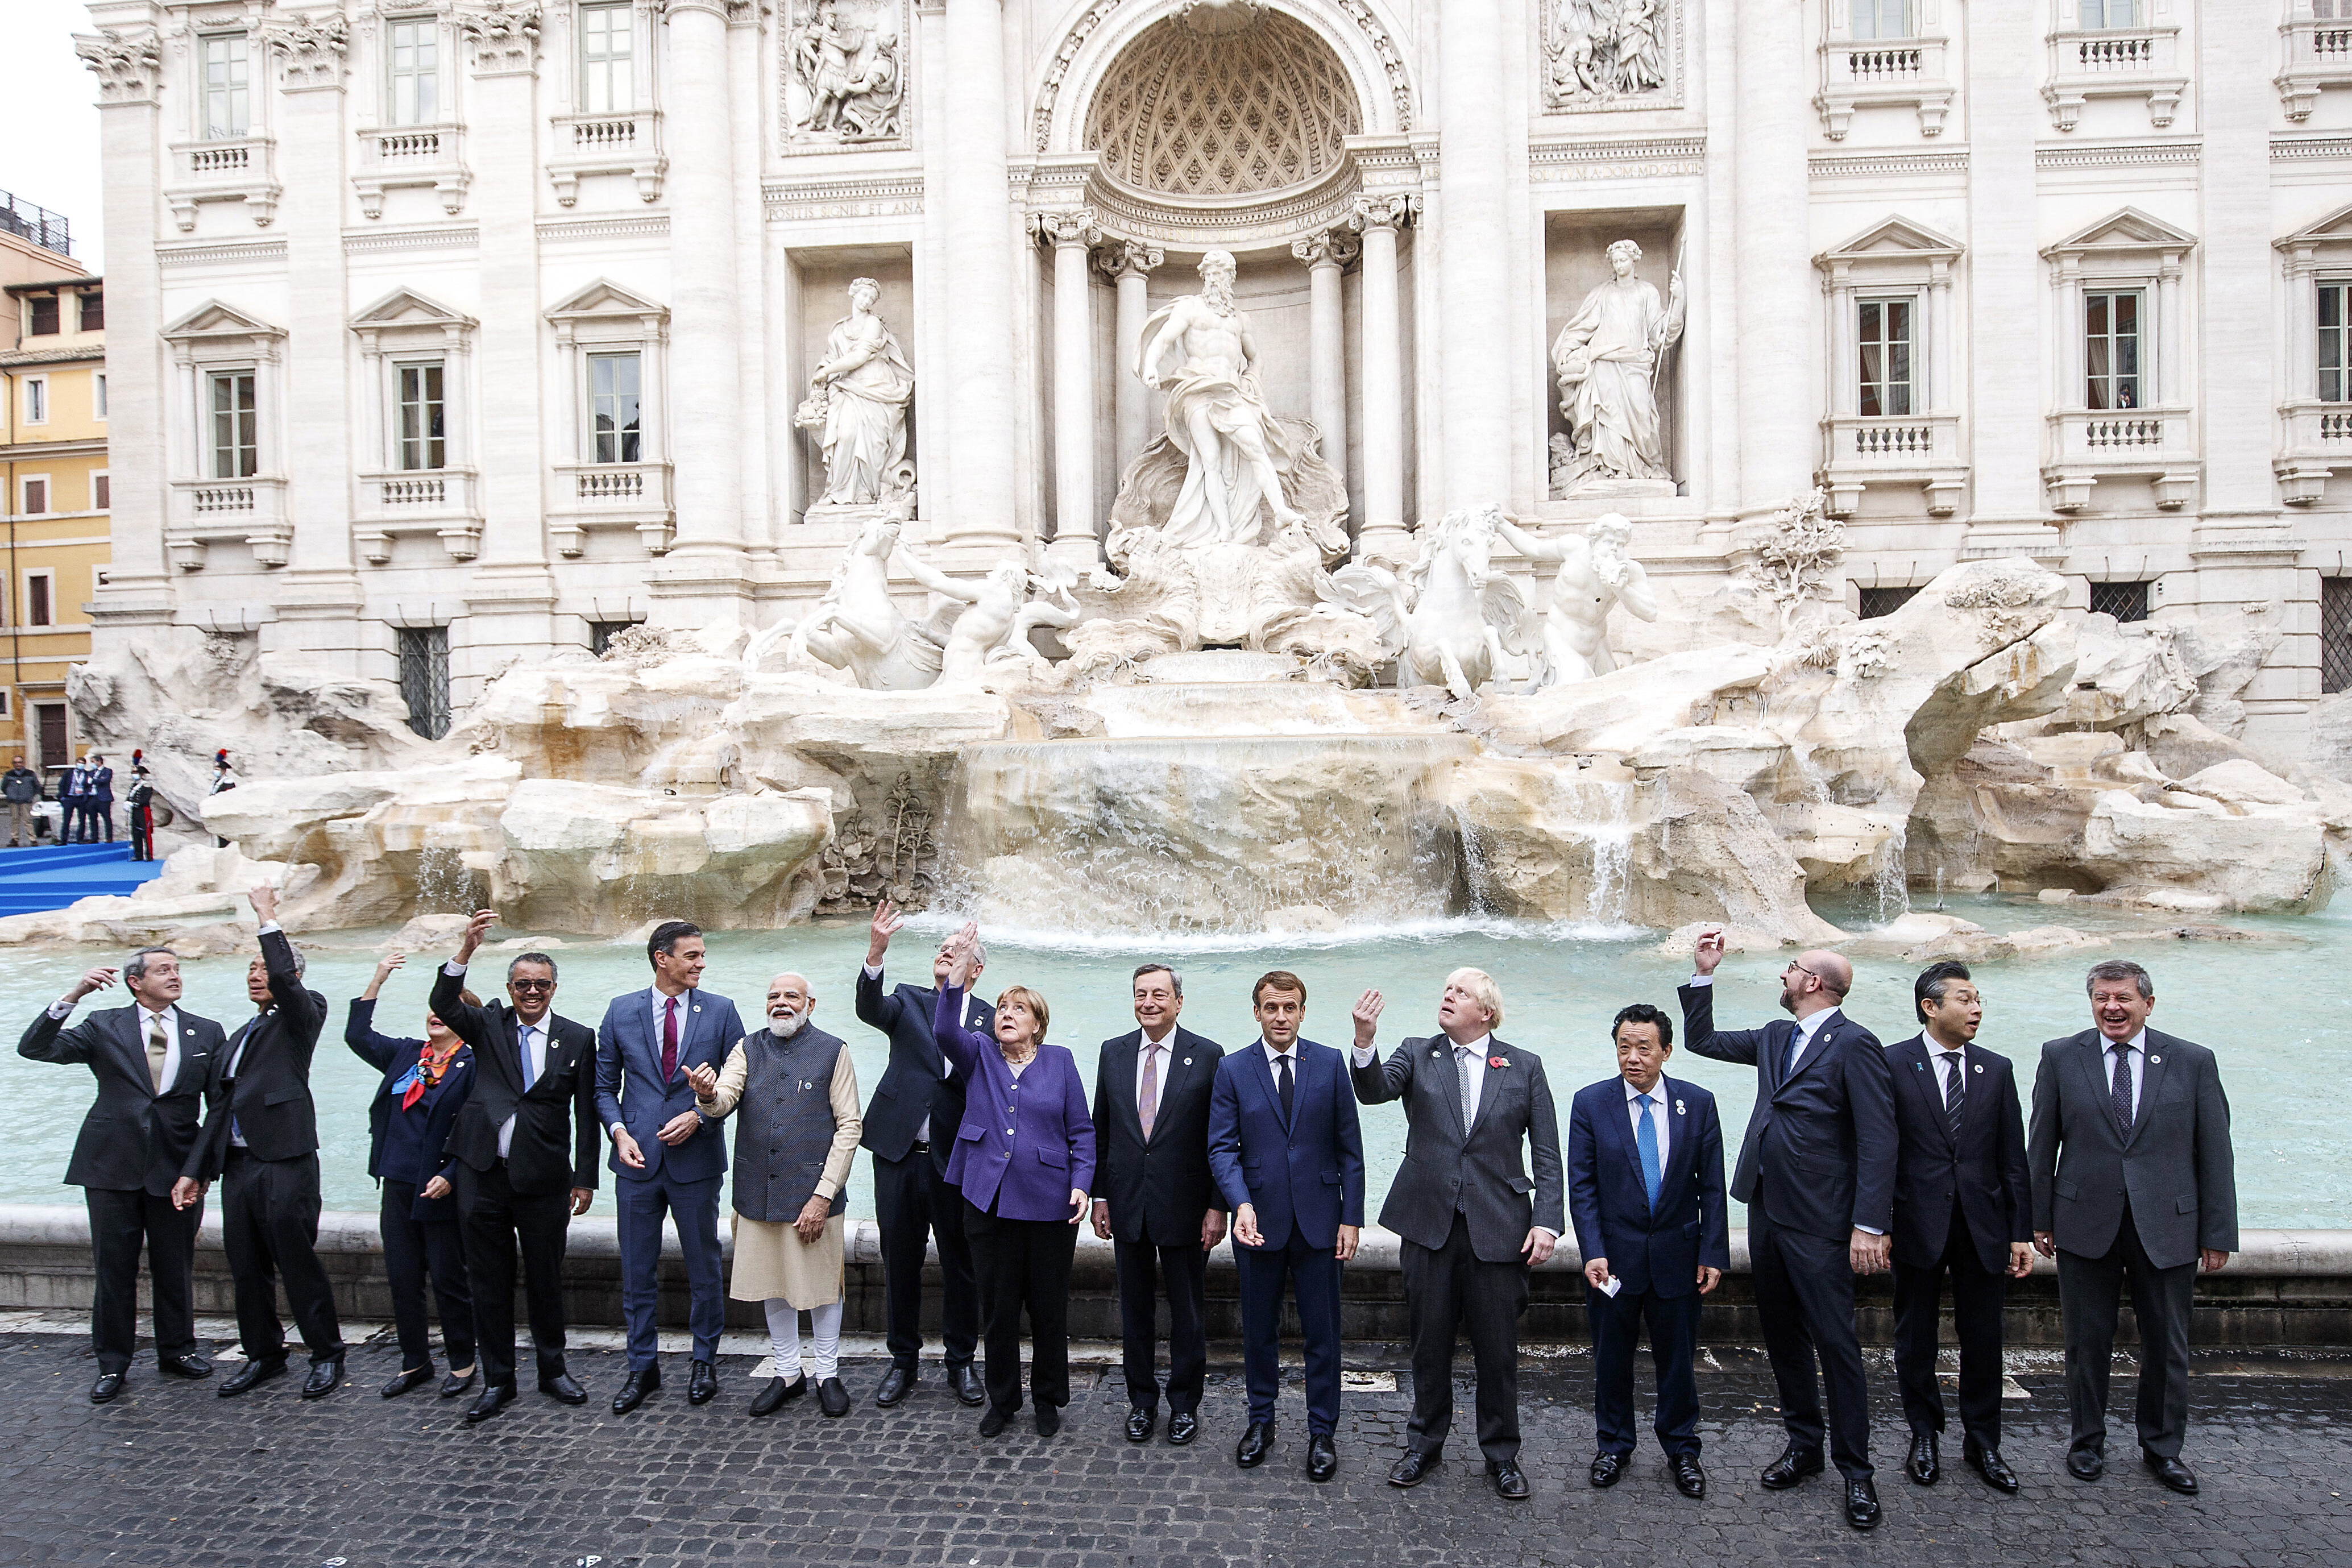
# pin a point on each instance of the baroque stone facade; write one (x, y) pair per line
(450, 334)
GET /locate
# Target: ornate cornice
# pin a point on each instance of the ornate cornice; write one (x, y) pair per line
(2119, 156)
(1617, 158)
(247, 253)
(1890, 166)
(2304, 149)
(399, 240)
(875, 195)
(565, 231)
(129, 66)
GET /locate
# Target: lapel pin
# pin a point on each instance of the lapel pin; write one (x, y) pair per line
(1498, 1061)
(2153, 1060)
(1188, 1061)
(1678, 1108)
(1980, 1067)
(1918, 1066)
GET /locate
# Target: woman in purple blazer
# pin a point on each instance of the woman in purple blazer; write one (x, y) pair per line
(1024, 1158)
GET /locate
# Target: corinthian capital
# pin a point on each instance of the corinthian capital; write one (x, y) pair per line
(1383, 211)
(1129, 259)
(1059, 228)
(128, 65)
(310, 50)
(502, 34)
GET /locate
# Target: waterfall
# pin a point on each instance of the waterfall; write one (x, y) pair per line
(1891, 883)
(1613, 857)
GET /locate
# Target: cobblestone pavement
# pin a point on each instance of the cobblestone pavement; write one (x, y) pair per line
(170, 1474)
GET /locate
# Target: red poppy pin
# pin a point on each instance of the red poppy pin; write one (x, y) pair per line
(1498, 1061)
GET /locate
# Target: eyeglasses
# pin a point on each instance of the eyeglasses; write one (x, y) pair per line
(1801, 969)
(530, 984)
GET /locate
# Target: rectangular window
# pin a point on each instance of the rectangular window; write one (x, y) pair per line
(612, 407)
(227, 103)
(416, 72)
(40, 315)
(2111, 355)
(100, 493)
(1883, 330)
(37, 400)
(1881, 19)
(2335, 634)
(236, 429)
(38, 609)
(2335, 341)
(97, 396)
(36, 496)
(424, 679)
(420, 434)
(93, 309)
(606, 43)
(2125, 601)
(2102, 16)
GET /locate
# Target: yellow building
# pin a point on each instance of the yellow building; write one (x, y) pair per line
(53, 461)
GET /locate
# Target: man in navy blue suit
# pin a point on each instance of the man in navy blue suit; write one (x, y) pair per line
(1645, 1194)
(1817, 1173)
(1286, 1151)
(666, 1154)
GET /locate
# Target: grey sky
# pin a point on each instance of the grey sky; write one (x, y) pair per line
(48, 122)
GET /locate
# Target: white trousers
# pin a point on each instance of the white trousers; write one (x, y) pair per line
(784, 1339)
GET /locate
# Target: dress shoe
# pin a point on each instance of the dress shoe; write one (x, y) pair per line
(1049, 1419)
(1608, 1469)
(495, 1397)
(1923, 1465)
(251, 1373)
(560, 1387)
(966, 1385)
(833, 1398)
(1794, 1466)
(2085, 1464)
(456, 1383)
(995, 1421)
(641, 1382)
(2171, 1472)
(1412, 1467)
(1322, 1458)
(770, 1398)
(701, 1383)
(1689, 1479)
(1987, 1462)
(326, 1376)
(1510, 1481)
(1139, 1422)
(403, 1380)
(1183, 1428)
(896, 1383)
(1862, 1505)
(191, 1366)
(108, 1386)
(1255, 1444)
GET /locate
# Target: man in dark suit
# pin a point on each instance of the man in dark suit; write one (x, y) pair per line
(97, 799)
(1817, 1173)
(525, 1146)
(666, 1155)
(152, 1061)
(1160, 1208)
(1289, 1154)
(261, 1138)
(2134, 1178)
(1962, 1209)
(1478, 1113)
(910, 1130)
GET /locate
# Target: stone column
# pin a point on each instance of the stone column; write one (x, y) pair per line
(1326, 257)
(1779, 442)
(981, 404)
(1472, 226)
(1130, 265)
(1382, 534)
(755, 478)
(1073, 235)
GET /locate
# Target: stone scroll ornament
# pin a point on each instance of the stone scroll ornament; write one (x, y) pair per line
(1599, 50)
(846, 63)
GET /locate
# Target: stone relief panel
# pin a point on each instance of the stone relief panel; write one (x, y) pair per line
(1611, 54)
(846, 73)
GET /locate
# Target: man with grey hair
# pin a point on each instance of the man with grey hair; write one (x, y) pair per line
(1158, 1209)
(2134, 1178)
(152, 1061)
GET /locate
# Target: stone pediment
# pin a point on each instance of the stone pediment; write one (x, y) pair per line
(1896, 238)
(2336, 228)
(405, 308)
(2127, 229)
(213, 321)
(605, 299)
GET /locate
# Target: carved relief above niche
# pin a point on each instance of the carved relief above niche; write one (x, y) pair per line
(1611, 54)
(844, 74)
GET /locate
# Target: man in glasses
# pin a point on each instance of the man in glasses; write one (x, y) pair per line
(1817, 1173)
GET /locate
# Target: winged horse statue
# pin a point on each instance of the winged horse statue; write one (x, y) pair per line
(1448, 618)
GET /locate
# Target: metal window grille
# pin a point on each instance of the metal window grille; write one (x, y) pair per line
(2125, 601)
(40, 315)
(2335, 634)
(424, 679)
(602, 633)
(1878, 602)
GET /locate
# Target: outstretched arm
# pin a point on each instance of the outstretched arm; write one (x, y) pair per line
(937, 581)
(1528, 544)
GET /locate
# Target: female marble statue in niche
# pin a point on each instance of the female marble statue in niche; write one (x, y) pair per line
(858, 398)
(1607, 361)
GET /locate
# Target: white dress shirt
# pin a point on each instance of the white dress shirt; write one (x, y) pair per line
(1940, 1062)
(923, 1133)
(1362, 1056)
(1659, 1122)
(2137, 1049)
(169, 1017)
(534, 1043)
(658, 1002)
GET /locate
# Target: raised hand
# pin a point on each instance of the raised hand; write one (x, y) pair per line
(95, 980)
(704, 1080)
(1708, 952)
(886, 921)
(476, 930)
(387, 964)
(1367, 1013)
(264, 900)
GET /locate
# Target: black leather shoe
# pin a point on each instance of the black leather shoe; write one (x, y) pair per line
(1412, 1468)
(1986, 1462)
(833, 1398)
(2086, 1465)
(496, 1397)
(1923, 1465)
(995, 1421)
(1140, 1423)
(560, 1387)
(896, 1383)
(192, 1366)
(1510, 1483)
(1322, 1458)
(326, 1376)
(108, 1386)
(1049, 1419)
(702, 1384)
(1862, 1505)
(966, 1385)
(456, 1383)
(1255, 1444)
(770, 1398)
(403, 1380)
(250, 1373)
(2171, 1472)
(1608, 1469)
(1792, 1467)
(641, 1382)
(1689, 1479)
(1183, 1428)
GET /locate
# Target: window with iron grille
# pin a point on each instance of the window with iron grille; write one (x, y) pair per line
(93, 309)
(1878, 602)
(2335, 634)
(424, 679)
(41, 312)
(2125, 601)
(602, 633)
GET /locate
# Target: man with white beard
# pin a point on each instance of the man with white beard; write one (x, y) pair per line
(794, 1139)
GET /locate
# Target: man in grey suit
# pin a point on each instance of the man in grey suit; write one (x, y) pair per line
(1461, 1203)
(2133, 1177)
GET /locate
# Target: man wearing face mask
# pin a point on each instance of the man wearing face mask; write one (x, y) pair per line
(794, 1096)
